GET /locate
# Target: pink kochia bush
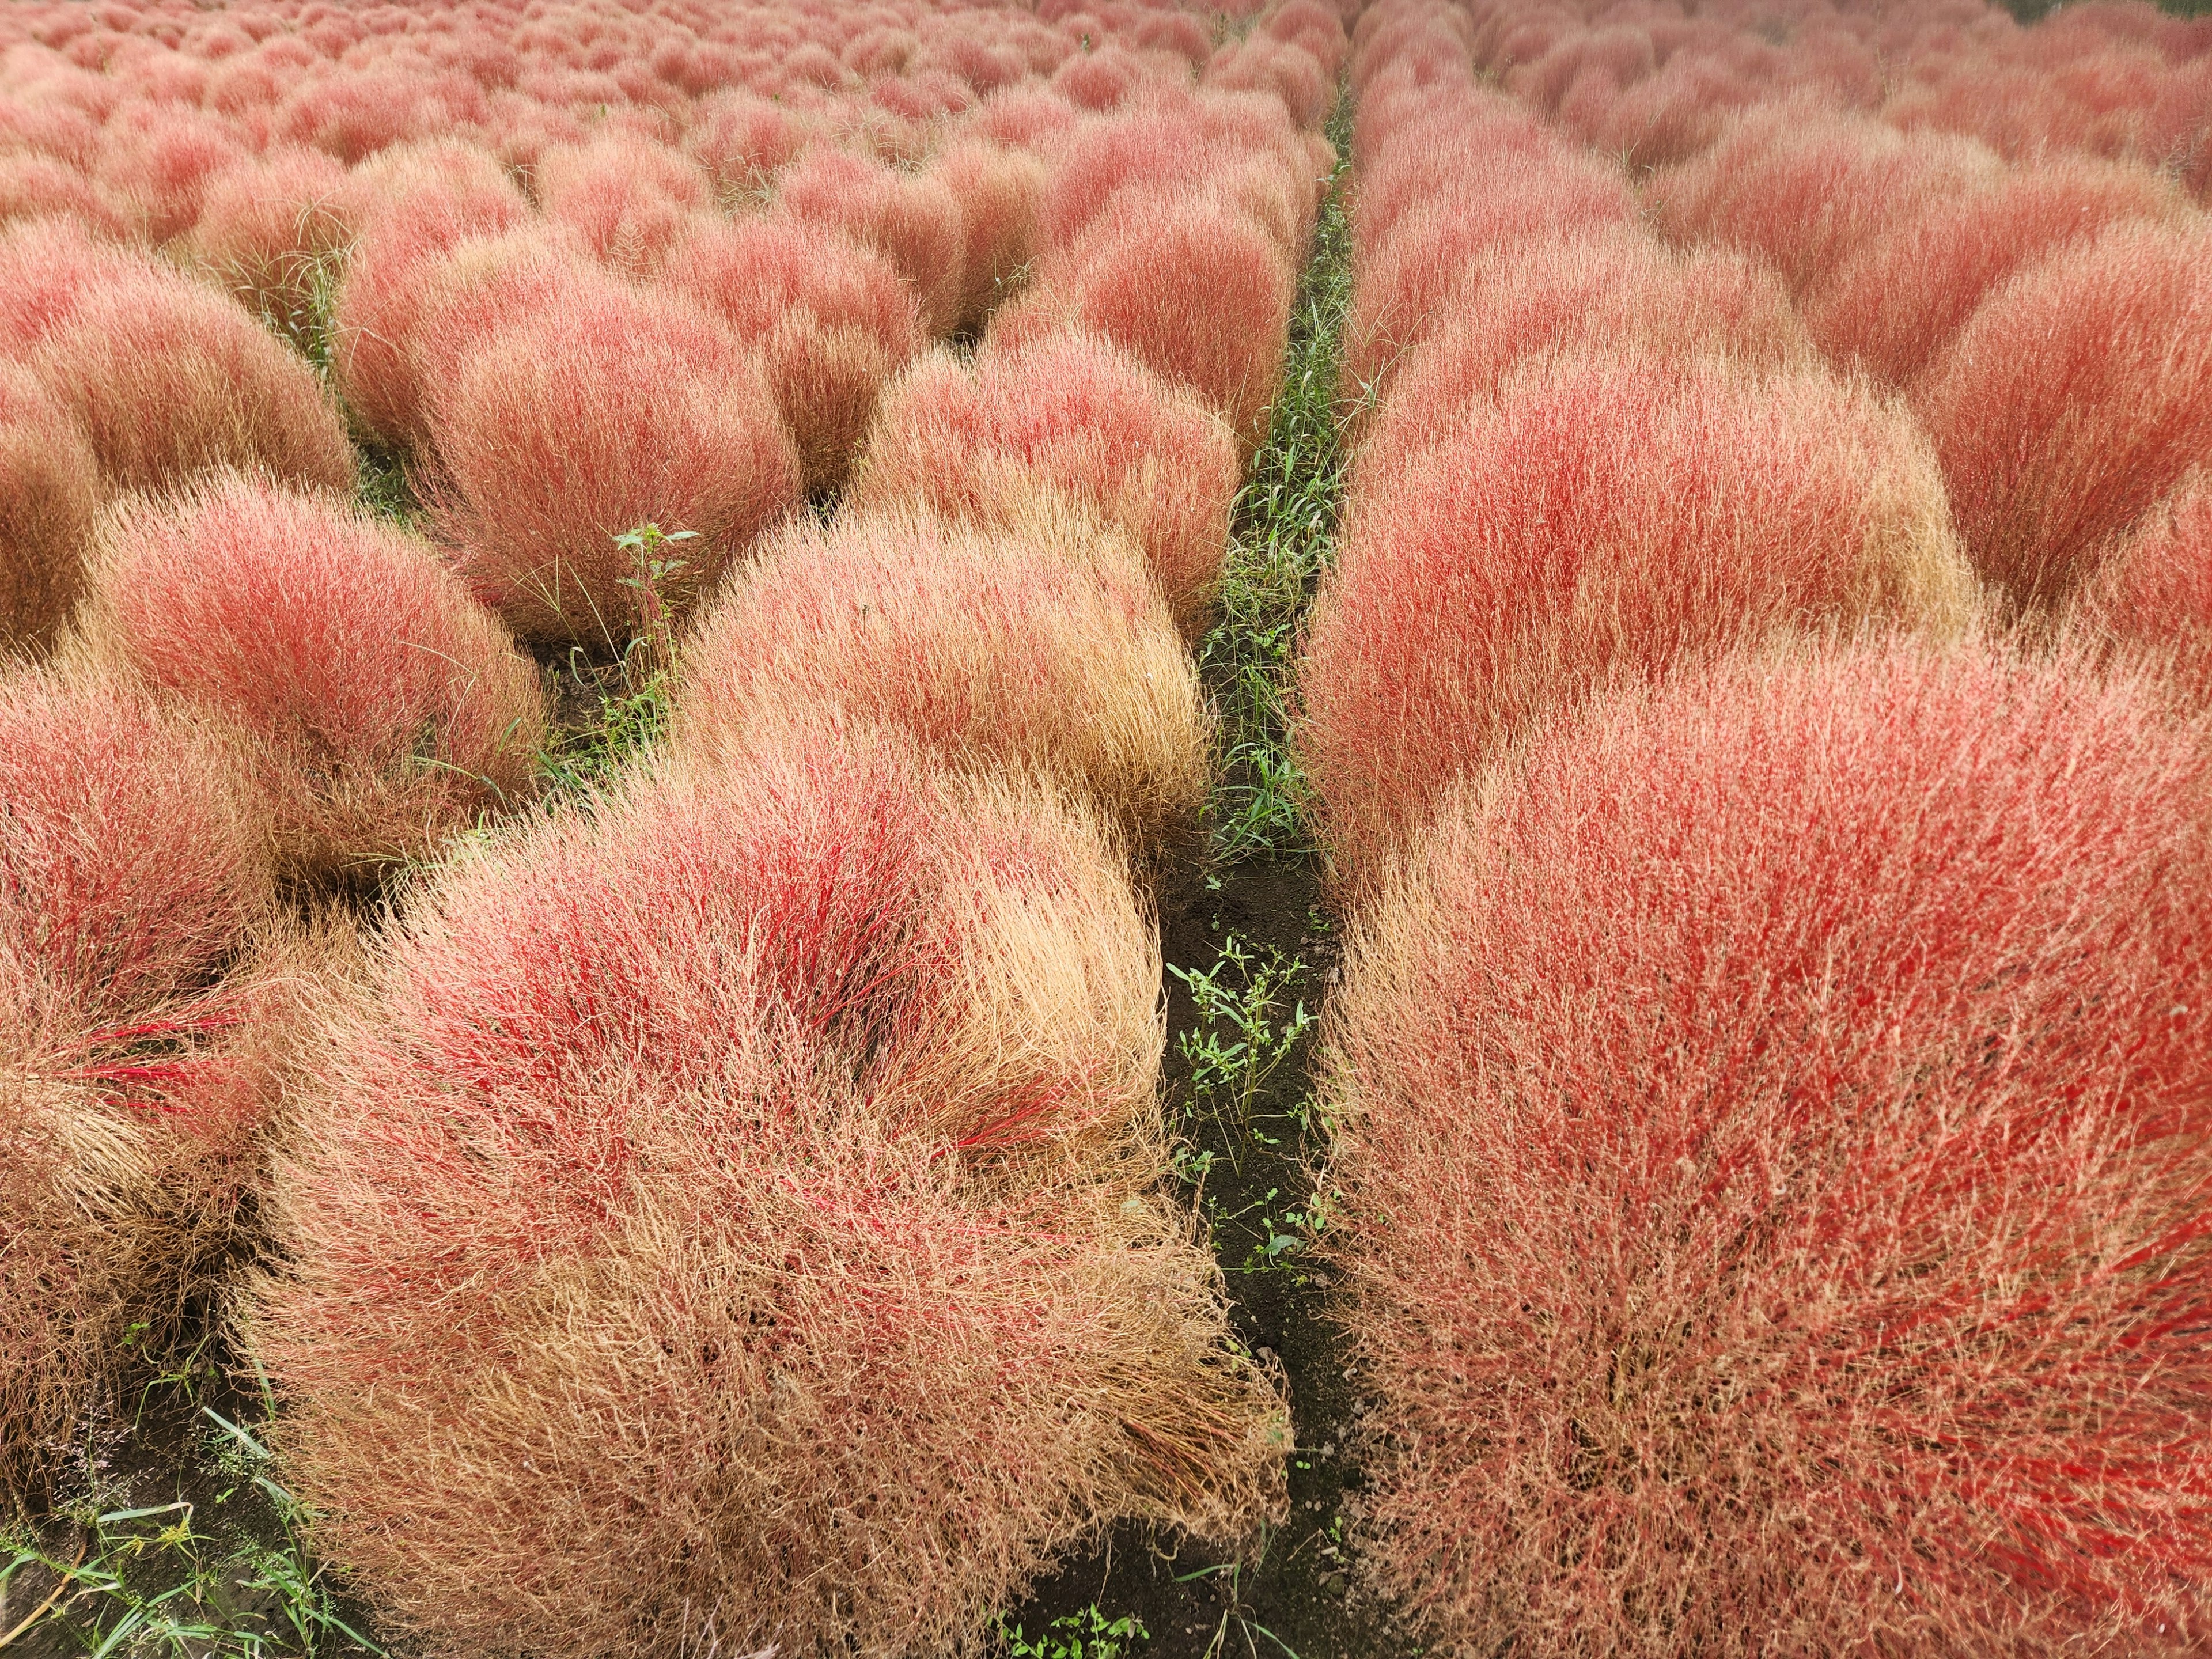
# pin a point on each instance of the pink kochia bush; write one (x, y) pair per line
(1893, 306)
(1072, 415)
(1805, 188)
(403, 327)
(49, 494)
(605, 412)
(1613, 289)
(386, 709)
(2153, 590)
(1611, 518)
(912, 219)
(1777, 1125)
(727, 1216)
(831, 318)
(2079, 395)
(1042, 648)
(168, 378)
(1410, 282)
(1193, 287)
(132, 877)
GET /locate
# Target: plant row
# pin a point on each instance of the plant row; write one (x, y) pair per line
(1757, 732)
(724, 1202)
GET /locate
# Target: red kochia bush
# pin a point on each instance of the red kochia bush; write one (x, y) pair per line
(1411, 281)
(271, 230)
(404, 328)
(1070, 414)
(1194, 289)
(1611, 518)
(999, 191)
(746, 1184)
(131, 875)
(606, 411)
(2078, 395)
(34, 187)
(168, 379)
(833, 321)
(1608, 290)
(47, 268)
(389, 709)
(2154, 589)
(1775, 1154)
(49, 492)
(1804, 188)
(1894, 304)
(912, 219)
(628, 200)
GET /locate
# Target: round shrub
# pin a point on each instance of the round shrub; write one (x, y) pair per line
(1608, 290)
(132, 875)
(1804, 187)
(2152, 589)
(2078, 395)
(605, 411)
(274, 230)
(1070, 413)
(912, 220)
(1894, 304)
(1774, 1160)
(628, 200)
(832, 318)
(49, 494)
(1044, 650)
(726, 1214)
(168, 378)
(388, 709)
(405, 325)
(1410, 283)
(1192, 288)
(1606, 517)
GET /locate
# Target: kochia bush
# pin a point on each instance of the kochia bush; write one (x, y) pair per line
(132, 877)
(168, 378)
(1613, 289)
(1775, 1160)
(1895, 303)
(49, 493)
(1070, 414)
(746, 1184)
(1611, 518)
(386, 709)
(607, 410)
(1042, 648)
(2076, 396)
(2152, 589)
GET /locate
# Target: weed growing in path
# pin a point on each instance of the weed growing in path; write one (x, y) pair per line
(1285, 525)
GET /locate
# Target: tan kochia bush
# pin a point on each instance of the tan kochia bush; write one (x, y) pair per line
(728, 1216)
(385, 709)
(132, 881)
(1045, 649)
(49, 494)
(1079, 415)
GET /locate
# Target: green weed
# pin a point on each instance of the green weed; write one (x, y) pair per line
(1282, 530)
(623, 707)
(223, 1576)
(1237, 1612)
(1086, 1634)
(1248, 1023)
